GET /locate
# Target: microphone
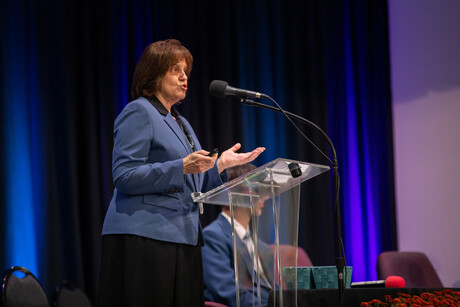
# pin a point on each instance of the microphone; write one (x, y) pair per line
(295, 170)
(389, 282)
(220, 89)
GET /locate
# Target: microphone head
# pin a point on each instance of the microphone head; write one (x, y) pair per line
(295, 170)
(217, 88)
(395, 282)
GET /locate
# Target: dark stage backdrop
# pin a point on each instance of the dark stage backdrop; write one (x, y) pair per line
(66, 69)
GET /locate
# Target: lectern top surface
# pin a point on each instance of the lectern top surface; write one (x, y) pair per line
(266, 181)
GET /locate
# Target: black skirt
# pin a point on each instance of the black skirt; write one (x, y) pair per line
(138, 271)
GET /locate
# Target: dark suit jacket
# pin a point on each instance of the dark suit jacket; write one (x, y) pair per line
(218, 266)
(152, 196)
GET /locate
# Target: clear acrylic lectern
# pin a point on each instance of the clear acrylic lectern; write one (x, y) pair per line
(272, 195)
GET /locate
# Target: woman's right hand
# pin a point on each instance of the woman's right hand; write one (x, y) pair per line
(198, 162)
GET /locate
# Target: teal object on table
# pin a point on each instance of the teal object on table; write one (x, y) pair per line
(316, 277)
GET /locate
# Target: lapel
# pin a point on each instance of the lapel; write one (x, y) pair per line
(174, 126)
(244, 259)
(171, 122)
(242, 251)
(267, 259)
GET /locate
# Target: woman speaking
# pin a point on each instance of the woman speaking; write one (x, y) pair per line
(151, 244)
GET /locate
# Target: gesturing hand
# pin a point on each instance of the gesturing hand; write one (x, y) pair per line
(230, 157)
(198, 162)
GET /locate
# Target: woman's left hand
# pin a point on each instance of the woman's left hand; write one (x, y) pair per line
(230, 157)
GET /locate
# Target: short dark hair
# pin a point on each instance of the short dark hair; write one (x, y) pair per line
(155, 61)
(236, 171)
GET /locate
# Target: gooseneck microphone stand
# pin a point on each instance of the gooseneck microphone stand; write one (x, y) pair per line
(341, 259)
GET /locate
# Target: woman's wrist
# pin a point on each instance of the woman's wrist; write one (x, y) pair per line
(220, 166)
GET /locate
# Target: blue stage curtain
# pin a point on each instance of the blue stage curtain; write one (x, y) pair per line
(334, 64)
(66, 69)
(359, 107)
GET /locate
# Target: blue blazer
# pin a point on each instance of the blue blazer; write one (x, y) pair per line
(218, 266)
(152, 196)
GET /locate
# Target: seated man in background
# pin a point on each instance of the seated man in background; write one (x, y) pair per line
(218, 261)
